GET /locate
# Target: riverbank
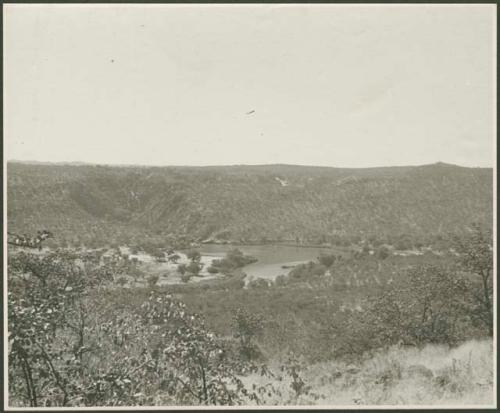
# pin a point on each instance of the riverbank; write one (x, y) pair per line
(290, 243)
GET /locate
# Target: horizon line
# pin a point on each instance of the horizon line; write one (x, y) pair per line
(85, 163)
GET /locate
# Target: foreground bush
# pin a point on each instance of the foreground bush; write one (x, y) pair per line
(432, 375)
(69, 346)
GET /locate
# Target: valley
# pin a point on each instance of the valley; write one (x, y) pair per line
(316, 287)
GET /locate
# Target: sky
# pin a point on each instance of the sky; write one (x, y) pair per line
(330, 85)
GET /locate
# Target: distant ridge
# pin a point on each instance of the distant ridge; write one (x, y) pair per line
(80, 163)
(249, 202)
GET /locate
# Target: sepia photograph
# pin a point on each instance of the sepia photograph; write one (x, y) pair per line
(249, 206)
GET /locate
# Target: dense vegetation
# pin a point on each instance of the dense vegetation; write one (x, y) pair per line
(70, 345)
(99, 205)
(121, 308)
(76, 338)
(234, 259)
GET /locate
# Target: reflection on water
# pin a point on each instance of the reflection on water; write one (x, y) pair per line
(271, 257)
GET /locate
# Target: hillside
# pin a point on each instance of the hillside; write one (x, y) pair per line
(248, 203)
(431, 375)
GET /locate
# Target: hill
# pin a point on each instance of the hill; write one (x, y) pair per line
(248, 203)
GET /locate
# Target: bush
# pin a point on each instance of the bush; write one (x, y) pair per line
(152, 280)
(327, 259)
(280, 280)
(424, 306)
(181, 269)
(258, 283)
(174, 258)
(71, 344)
(477, 259)
(403, 244)
(246, 328)
(234, 259)
(121, 281)
(194, 268)
(318, 270)
(212, 270)
(383, 253)
(194, 255)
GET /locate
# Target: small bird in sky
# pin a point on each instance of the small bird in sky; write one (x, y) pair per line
(252, 111)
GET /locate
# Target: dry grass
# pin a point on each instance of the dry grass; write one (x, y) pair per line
(433, 375)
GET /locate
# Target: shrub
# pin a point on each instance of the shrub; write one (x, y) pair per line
(152, 280)
(233, 259)
(477, 258)
(327, 259)
(121, 281)
(70, 345)
(318, 270)
(174, 258)
(185, 277)
(425, 306)
(194, 268)
(403, 244)
(383, 253)
(181, 269)
(258, 283)
(194, 255)
(246, 328)
(212, 270)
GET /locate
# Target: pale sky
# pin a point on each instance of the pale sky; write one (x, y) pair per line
(332, 85)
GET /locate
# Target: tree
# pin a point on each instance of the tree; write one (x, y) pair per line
(46, 295)
(233, 259)
(403, 243)
(194, 255)
(477, 258)
(426, 305)
(185, 277)
(293, 368)
(258, 283)
(181, 269)
(158, 255)
(191, 358)
(174, 258)
(121, 281)
(69, 346)
(383, 253)
(246, 328)
(327, 259)
(194, 268)
(212, 270)
(152, 280)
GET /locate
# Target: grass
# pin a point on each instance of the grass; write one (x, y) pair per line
(432, 375)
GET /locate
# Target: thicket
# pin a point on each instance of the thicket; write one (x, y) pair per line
(234, 259)
(76, 339)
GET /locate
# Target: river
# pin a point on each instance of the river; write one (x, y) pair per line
(271, 258)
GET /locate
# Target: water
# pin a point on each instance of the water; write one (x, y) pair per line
(271, 258)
